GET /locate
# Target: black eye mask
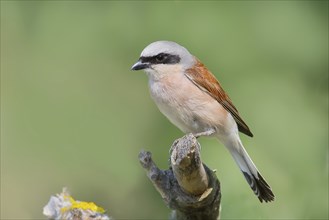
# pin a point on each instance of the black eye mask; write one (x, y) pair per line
(161, 58)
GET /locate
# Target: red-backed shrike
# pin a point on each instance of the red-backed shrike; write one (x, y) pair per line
(190, 96)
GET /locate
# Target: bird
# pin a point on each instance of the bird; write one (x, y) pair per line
(191, 97)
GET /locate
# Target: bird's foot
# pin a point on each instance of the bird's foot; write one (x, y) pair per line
(205, 133)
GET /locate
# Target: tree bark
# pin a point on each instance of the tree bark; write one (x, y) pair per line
(188, 187)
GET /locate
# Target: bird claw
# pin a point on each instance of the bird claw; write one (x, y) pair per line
(205, 133)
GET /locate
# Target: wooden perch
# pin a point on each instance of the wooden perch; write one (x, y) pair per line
(188, 187)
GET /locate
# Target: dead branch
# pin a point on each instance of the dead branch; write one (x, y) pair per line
(188, 187)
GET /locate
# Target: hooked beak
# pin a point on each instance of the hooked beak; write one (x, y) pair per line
(140, 66)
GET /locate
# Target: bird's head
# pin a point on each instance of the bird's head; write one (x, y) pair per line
(161, 58)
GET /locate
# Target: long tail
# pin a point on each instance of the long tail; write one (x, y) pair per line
(257, 183)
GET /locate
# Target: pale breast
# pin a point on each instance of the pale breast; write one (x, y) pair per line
(186, 106)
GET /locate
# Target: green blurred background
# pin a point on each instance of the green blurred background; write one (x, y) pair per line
(73, 114)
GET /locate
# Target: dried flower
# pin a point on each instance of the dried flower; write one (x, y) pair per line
(63, 206)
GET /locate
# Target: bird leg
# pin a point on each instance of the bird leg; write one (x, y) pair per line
(205, 133)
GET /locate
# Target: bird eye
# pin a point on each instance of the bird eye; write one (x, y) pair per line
(161, 57)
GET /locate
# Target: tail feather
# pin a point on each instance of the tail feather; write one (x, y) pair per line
(260, 187)
(255, 180)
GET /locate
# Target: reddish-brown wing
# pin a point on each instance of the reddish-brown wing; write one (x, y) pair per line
(207, 82)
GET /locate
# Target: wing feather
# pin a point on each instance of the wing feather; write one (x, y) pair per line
(207, 82)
